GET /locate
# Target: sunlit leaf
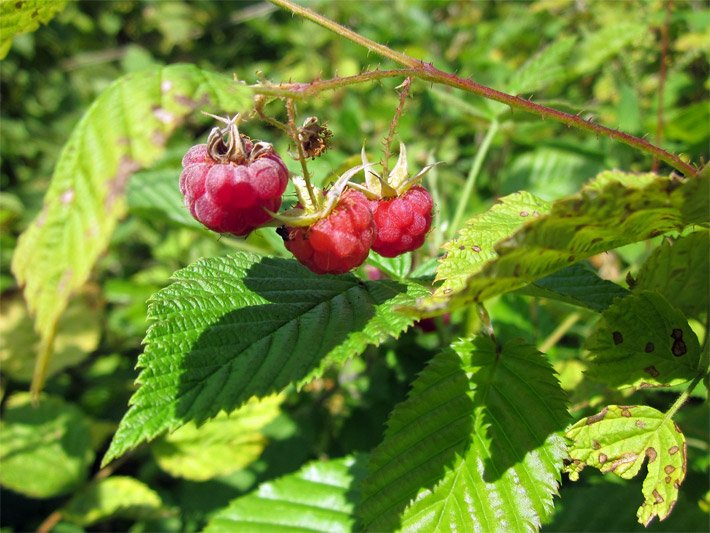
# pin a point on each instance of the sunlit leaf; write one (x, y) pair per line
(613, 210)
(643, 341)
(221, 445)
(113, 497)
(123, 130)
(234, 327)
(680, 271)
(45, 450)
(319, 497)
(24, 16)
(620, 439)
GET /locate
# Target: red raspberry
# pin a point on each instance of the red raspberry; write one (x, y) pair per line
(337, 243)
(402, 222)
(228, 196)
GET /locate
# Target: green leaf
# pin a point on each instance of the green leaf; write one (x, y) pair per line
(124, 129)
(154, 192)
(222, 445)
(613, 210)
(424, 435)
(319, 497)
(474, 245)
(113, 497)
(394, 267)
(45, 450)
(475, 445)
(680, 271)
(233, 327)
(543, 69)
(24, 16)
(643, 341)
(78, 334)
(577, 285)
(612, 39)
(619, 439)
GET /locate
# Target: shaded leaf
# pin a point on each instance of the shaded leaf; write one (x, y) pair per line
(113, 497)
(154, 192)
(319, 497)
(45, 450)
(577, 285)
(24, 16)
(613, 210)
(475, 445)
(221, 445)
(233, 327)
(620, 439)
(680, 271)
(643, 341)
(123, 130)
(474, 244)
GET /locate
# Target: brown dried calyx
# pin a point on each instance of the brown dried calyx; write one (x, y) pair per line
(314, 137)
(236, 148)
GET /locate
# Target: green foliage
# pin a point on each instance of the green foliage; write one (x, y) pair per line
(232, 327)
(45, 450)
(24, 16)
(680, 271)
(436, 432)
(620, 439)
(124, 130)
(116, 496)
(463, 447)
(220, 446)
(642, 341)
(612, 210)
(319, 497)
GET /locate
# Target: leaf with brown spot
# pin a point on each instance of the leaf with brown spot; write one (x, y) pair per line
(53, 257)
(642, 319)
(612, 210)
(24, 17)
(624, 447)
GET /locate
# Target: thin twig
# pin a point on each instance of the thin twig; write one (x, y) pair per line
(428, 72)
(393, 125)
(291, 110)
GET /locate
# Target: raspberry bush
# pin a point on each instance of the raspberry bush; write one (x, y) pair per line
(380, 294)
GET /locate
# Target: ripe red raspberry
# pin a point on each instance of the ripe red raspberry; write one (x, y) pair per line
(402, 222)
(228, 188)
(337, 243)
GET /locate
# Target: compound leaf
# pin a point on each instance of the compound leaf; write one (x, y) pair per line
(619, 439)
(544, 68)
(23, 17)
(319, 497)
(680, 271)
(222, 445)
(113, 497)
(475, 445)
(643, 341)
(613, 210)
(233, 327)
(474, 245)
(123, 130)
(45, 449)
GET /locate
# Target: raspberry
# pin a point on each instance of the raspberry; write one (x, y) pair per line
(337, 243)
(229, 193)
(402, 222)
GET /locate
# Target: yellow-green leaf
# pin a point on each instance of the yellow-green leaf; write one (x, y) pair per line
(620, 439)
(123, 130)
(226, 443)
(23, 16)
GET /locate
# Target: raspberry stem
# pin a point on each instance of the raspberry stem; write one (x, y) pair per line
(393, 125)
(293, 132)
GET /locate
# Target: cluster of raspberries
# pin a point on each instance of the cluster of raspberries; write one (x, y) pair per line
(235, 195)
